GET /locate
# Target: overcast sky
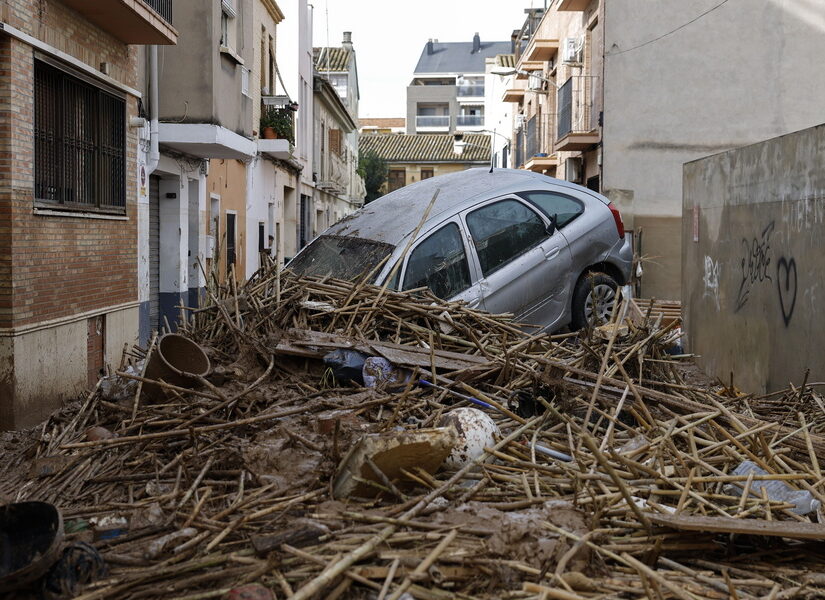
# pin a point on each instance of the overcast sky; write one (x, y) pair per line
(389, 35)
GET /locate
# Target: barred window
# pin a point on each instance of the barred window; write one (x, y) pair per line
(79, 142)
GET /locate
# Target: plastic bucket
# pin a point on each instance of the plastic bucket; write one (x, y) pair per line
(176, 360)
(30, 537)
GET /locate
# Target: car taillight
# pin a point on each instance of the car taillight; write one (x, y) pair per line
(618, 218)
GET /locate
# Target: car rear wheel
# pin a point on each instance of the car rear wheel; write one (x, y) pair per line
(593, 300)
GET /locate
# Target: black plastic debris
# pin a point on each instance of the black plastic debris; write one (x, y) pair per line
(79, 565)
(346, 365)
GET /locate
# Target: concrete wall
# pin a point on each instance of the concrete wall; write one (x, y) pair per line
(739, 74)
(199, 83)
(44, 365)
(753, 265)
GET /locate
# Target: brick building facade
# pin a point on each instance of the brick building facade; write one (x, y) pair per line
(68, 185)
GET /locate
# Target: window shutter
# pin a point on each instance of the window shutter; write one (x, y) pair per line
(335, 140)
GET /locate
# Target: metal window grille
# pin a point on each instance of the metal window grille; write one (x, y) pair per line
(79, 143)
(519, 151)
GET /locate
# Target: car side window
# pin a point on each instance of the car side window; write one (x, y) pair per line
(502, 231)
(440, 263)
(550, 203)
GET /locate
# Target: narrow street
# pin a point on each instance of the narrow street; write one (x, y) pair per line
(487, 301)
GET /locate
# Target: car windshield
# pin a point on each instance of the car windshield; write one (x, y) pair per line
(340, 257)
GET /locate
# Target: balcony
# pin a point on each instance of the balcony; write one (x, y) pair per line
(432, 122)
(280, 149)
(540, 164)
(470, 91)
(569, 5)
(577, 127)
(513, 95)
(529, 65)
(470, 121)
(540, 50)
(131, 21)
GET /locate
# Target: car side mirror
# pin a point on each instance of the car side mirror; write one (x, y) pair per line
(551, 228)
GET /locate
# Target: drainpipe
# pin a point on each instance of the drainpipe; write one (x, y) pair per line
(154, 128)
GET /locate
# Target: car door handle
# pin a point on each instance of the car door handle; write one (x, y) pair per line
(473, 303)
(551, 253)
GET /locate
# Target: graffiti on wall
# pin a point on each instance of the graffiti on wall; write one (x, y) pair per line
(756, 259)
(786, 283)
(756, 270)
(711, 279)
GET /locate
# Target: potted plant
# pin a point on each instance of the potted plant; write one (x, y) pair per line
(276, 123)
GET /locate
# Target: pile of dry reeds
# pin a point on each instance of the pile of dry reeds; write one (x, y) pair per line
(230, 482)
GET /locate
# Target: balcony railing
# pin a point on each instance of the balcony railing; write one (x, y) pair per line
(531, 24)
(333, 175)
(163, 8)
(432, 121)
(470, 120)
(575, 105)
(532, 138)
(472, 91)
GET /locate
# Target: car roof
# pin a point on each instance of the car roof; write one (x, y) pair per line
(393, 217)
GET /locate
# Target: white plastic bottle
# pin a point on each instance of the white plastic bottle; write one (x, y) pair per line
(777, 490)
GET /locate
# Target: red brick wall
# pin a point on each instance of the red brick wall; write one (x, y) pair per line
(55, 266)
(64, 28)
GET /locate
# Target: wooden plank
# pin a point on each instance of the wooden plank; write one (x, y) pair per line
(788, 529)
(315, 344)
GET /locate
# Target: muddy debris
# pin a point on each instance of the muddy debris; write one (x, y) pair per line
(604, 473)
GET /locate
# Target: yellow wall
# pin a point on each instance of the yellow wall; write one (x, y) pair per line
(227, 178)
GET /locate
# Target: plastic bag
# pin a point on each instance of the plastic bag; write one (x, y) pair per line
(346, 365)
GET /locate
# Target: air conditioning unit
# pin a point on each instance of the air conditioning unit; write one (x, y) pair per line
(573, 169)
(572, 50)
(534, 82)
(519, 121)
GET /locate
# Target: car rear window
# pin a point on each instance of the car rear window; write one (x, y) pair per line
(340, 257)
(563, 207)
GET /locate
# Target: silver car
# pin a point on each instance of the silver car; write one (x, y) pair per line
(550, 252)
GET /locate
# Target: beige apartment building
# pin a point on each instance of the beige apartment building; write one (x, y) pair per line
(636, 92)
(556, 90)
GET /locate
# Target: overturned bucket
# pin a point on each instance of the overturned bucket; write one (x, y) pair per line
(31, 534)
(176, 360)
